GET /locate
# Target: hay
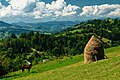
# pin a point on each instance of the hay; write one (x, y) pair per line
(93, 50)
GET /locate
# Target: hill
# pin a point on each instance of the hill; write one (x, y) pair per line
(35, 46)
(96, 26)
(107, 29)
(74, 69)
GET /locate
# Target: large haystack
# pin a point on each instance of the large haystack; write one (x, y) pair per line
(93, 50)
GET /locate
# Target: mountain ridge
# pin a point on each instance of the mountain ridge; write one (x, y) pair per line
(42, 27)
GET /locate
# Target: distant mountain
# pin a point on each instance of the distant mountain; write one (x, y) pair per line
(44, 27)
(6, 29)
(4, 24)
(50, 27)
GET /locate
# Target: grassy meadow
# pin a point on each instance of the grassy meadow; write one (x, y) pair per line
(73, 68)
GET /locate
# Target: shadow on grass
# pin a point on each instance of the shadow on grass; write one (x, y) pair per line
(9, 76)
(17, 75)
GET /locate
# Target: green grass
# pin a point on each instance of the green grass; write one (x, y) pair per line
(42, 67)
(74, 31)
(73, 68)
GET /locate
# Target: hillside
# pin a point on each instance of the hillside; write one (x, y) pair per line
(74, 69)
(107, 29)
(35, 46)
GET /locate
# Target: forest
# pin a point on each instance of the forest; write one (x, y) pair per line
(35, 46)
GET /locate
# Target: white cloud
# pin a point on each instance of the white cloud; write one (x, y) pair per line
(17, 8)
(70, 10)
(23, 5)
(56, 5)
(9, 12)
(115, 13)
(59, 9)
(55, 9)
(4, 12)
(104, 10)
(37, 9)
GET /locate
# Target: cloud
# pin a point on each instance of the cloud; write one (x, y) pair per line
(37, 9)
(115, 13)
(56, 5)
(23, 5)
(17, 8)
(54, 9)
(9, 12)
(70, 10)
(104, 10)
(57, 9)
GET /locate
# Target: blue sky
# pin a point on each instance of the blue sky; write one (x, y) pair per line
(57, 10)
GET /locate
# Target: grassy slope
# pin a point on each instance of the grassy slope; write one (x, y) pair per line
(74, 69)
(42, 67)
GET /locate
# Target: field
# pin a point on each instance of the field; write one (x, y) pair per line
(73, 68)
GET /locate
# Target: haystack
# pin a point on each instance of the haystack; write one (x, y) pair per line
(93, 50)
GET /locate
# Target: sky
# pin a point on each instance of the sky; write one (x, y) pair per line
(57, 10)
